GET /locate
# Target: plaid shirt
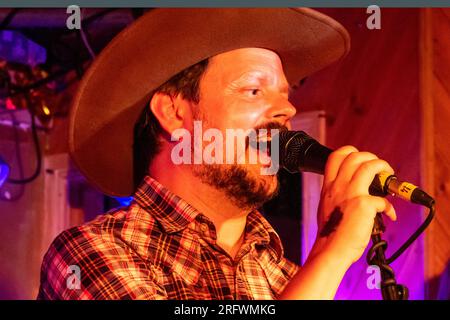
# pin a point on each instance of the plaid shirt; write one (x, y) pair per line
(160, 247)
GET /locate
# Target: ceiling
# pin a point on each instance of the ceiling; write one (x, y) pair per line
(64, 47)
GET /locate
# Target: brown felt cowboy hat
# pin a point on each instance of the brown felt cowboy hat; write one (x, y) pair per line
(162, 43)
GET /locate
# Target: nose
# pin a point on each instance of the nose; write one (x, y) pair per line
(281, 110)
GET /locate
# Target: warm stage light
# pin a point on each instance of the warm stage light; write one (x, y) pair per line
(46, 110)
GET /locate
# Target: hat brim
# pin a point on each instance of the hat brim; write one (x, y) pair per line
(163, 42)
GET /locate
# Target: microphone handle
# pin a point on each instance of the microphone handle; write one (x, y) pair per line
(316, 159)
(315, 155)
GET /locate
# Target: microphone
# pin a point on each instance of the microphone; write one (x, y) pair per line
(300, 152)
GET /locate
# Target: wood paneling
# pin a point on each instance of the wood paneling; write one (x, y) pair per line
(372, 101)
(391, 96)
(435, 75)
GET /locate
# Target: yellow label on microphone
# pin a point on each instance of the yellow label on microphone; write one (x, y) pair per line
(405, 190)
(382, 177)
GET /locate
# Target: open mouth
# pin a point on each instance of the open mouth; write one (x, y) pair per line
(260, 143)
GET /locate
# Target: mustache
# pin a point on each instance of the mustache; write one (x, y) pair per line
(252, 141)
(271, 125)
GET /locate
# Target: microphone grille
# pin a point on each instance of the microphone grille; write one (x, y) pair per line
(293, 145)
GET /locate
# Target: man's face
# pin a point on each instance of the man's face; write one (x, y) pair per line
(243, 89)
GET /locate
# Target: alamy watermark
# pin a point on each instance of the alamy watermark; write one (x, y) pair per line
(73, 281)
(374, 280)
(374, 20)
(73, 21)
(233, 147)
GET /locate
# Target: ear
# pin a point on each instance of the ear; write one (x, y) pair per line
(169, 111)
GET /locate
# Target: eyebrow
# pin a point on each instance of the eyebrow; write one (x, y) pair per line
(285, 88)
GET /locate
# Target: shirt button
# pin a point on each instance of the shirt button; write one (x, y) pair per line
(203, 227)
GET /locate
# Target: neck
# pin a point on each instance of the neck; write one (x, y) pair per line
(229, 219)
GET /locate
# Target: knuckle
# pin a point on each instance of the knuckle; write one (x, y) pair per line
(383, 164)
(362, 156)
(345, 150)
(368, 155)
(359, 201)
(359, 158)
(388, 166)
(353, 157)
(366, 166)
(332, 158)
(356, 156)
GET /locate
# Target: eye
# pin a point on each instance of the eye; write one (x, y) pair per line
(253, 92)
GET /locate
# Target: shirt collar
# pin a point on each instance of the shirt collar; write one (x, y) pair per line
(174, 215)
(259, 230)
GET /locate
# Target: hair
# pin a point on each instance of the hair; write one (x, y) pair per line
(147, 130)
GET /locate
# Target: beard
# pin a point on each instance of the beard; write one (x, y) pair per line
(246, 188)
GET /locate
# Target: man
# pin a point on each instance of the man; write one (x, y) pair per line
(193, 230)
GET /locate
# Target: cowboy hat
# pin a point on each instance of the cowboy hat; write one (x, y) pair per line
(160, 44)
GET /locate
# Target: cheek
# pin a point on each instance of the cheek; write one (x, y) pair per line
(240, 115)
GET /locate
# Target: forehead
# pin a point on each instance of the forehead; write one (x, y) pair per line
(234, 64)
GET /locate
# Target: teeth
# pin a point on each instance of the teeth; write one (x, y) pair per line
(264, 137)
(261, 141)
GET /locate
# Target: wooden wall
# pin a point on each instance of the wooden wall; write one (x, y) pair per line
(391, 96)
(21, 228)
(435, 94)
(372, 101)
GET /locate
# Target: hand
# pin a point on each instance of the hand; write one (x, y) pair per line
(346, 210)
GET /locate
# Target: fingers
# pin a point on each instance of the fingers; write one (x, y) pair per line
(383, 205)
(390, 210)
(365, 173)
(351, 164)
(371, 205)
(348, 175)
(351, 170)
(334, 163)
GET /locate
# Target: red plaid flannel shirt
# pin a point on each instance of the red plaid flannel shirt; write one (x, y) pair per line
(160, 247)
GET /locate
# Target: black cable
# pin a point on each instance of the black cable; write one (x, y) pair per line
(19, 161)
(38, 152)
(84, 38)
(376, 256)
(390, 290)
(414, 236)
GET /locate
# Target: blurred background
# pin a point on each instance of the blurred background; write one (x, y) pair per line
(390, 96)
